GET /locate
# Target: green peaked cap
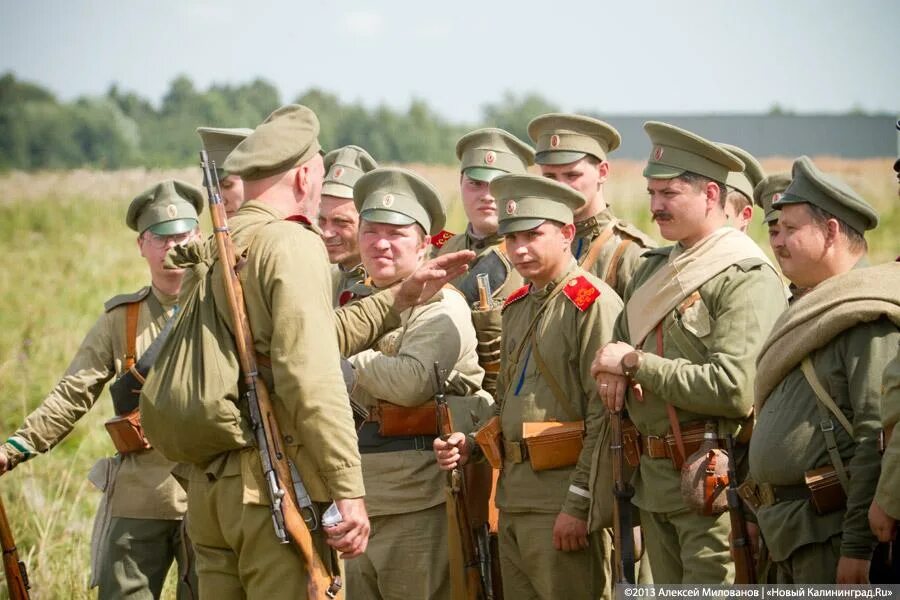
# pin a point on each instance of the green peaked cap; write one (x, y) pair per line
(169, 207)
(490, 152)
(220, 141)
(768, 191)
(287, 138)
(399, 197)
(746, 180)
(343, 168)
(526, 201)
(812, 186)
(676, 151)
(561, 138)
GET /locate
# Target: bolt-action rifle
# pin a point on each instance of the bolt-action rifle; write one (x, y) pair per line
(287, 496)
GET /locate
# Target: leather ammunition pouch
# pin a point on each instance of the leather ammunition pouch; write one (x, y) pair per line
(553, 444)
(126, 432)
(394, 420)
(490, 441)
(822, 488)
(826, 492)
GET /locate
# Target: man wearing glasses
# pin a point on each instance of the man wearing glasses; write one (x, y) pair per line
(137, 532)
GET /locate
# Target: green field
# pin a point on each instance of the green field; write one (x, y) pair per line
(65, 250)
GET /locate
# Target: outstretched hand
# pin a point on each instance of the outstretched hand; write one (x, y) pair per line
(430, 277)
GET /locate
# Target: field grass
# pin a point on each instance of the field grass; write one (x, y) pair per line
(65, 250)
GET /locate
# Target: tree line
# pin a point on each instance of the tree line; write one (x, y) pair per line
(122, 129)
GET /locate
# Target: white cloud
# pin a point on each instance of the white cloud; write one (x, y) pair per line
(363, 23)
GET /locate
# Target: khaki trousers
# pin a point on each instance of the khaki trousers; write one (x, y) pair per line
(137, 558)
(238, 555)
(406, 558)
(810, 563)
(685, 547)
(533, 568)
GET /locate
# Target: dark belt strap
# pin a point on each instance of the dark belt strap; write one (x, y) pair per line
(371, 442)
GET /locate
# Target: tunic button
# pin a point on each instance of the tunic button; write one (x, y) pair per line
(288, 439)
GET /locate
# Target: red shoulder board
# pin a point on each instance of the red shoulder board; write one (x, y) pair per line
(298, 219)
(440, 238)
(516, 296)
(581, 292)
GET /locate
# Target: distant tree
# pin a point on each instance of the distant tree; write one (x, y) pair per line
(514, 112)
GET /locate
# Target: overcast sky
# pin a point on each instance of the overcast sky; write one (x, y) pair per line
(627, 56)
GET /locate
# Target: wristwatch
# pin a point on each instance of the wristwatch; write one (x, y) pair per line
(631, 362)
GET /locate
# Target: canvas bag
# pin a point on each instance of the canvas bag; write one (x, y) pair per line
(190, 402)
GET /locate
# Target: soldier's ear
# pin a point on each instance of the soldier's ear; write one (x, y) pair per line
(603, 170)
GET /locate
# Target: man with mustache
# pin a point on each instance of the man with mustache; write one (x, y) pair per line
(573, 149)
(695, 316)
(551, 329)
(339, 220)
(814, 462)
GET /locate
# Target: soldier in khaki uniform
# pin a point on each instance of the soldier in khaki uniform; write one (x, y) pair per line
(766, 192)
(339, 220)
(485, 154)
(287, 292)
(573, 149)
(740, 185)
(695, 316)
(137, 533)
(218, 143)
(551, 328)
(407, 553)
(818, 387)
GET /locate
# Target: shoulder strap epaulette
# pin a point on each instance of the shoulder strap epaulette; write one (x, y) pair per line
(581, 292)
(629, 230)
(439, 239)
(748, 264)
(121, 299)
(516, 296)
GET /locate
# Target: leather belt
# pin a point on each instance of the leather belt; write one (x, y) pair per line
(371, 442)
(658, 446)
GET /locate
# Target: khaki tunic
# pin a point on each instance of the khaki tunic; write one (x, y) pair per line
(888, 492)
(483, 248)
(618, 274)
(399, 369)
(787, 441)
(706, 372)
(144, 487)
(567, 339)
(286, 284)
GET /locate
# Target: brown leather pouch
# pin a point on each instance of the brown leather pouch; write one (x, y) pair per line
(827, 495)
(126, 432)
(631, 444)
(395, 420)
(488, 438)
(553, 444)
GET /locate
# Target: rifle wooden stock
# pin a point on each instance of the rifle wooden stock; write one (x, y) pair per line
(466, 582)
(275, 462)
(16, 573)
(622, 493)
(741, 546)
